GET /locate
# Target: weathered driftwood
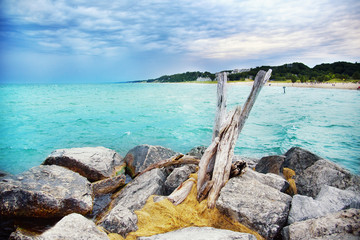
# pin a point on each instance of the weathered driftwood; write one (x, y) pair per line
(176, 160)
(223, 145)
(181, 192)
(221, 104)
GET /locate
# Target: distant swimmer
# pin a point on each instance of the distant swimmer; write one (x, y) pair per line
(284, 88)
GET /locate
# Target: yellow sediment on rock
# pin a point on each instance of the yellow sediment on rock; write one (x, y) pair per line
(163, 216)
(289, 175)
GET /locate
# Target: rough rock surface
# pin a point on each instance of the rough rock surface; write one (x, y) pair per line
(269, 179)
(251, 162)
(201, 233)
(108, 185)
(299, 159)
(74, 227)
(324, 172)
(94, 163)
(270, 164)
(178, 176)
(340, 225)
(142, 156)
(197, 151)
(256, 205)
(132, 197)
(45, 191)
(328, 201)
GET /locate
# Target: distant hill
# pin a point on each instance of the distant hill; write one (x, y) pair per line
(292, 71)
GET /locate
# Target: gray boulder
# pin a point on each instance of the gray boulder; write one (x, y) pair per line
(299, 159)
(324, 172)
(121, 218)
(74, 227)
(269, 179)
(328, 201)
(94, 163)
(201, 233)
(197, 151)
(339, 225)
(142, 156)
(256, 205)
(178, 176)
(251, 162)
(270, 164)
(45, 191)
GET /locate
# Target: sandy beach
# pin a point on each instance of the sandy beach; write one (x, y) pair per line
(352, 86)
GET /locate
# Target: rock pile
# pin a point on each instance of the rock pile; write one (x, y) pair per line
(85, 188)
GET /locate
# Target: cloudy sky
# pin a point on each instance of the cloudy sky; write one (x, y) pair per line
(111, 41)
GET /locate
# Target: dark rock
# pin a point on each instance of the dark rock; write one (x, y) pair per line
(270, 164)
(100, 203)
(178, 176)
(132, 197)
(339, 225)
(328, 201)
(269, 179)
(108, 185)
(3, 174)
(251, 162)
(299, 159)
(197, 151)
(255, 205)
(45, 191)
(94, 163)
(200, 233)
(142, 156)
(74, 227)
(324, 172)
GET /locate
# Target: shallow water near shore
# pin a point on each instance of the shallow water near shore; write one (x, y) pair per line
(37, 119)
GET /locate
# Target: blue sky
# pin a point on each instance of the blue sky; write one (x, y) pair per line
(108, 41)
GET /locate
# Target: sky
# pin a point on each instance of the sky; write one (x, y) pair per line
(86, 41)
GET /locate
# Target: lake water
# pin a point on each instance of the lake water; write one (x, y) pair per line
(37, 119)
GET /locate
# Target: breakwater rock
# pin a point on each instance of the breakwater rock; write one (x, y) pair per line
(100, 205)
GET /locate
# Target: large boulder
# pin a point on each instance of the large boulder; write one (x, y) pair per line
(108, 185)
(328, 201)
(270, 164)
(269, 179)
(197, 151)
(121, 219)
(45, 191)
(299, 159)
(178, 176)
(339, 225)
(94, 163)
(71, 227)
(142, 156)
(324, 172)
(200, 233)
(255, 205)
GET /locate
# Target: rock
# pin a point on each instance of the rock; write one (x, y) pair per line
(299, 159)
(255, 205)
(328, 201)
(339, 225)
(3, 174)
(142, 156)
(21, 234)
(197, 151)
(100, 203)
(74, 226)
(108, 185)
(132, 197)
(94, 163)
(200, 233)
(269, 179)
(251, 162)
(178, 176)
(45, 191)
(324, 172)
(270, 164)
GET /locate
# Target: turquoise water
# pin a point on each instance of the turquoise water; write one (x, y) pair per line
(37, 119)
